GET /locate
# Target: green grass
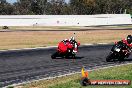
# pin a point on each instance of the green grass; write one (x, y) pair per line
(120, 72)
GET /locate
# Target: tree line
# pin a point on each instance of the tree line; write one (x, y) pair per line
(60, 7)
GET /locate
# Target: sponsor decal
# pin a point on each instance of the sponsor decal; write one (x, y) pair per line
(85, 81)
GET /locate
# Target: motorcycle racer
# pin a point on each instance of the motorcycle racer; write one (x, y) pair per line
(120, 50)
(67, 48)
(71, 41)
(128, 42)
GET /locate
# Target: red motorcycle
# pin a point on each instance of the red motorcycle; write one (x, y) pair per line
(66, 50)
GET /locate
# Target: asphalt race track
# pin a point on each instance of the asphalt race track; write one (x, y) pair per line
(25, 65)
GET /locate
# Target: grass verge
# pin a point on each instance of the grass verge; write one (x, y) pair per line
(66, 27)
(31, 39)
(73, 81)
(44, 27)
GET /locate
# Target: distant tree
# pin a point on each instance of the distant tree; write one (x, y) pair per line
(5, 8)
(23, 7)
(57, 7)
(82, 6)
(39, 6)
(60, 7)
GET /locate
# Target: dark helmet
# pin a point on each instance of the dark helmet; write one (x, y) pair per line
(129, 39)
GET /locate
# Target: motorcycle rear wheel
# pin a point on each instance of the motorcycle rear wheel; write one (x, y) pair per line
(121, 58)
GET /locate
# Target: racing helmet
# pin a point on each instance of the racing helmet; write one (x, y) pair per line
(72, 38)
(129, 39)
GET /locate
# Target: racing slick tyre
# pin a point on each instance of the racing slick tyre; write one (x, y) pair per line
(85, 82)
(53, 56)
(109, 57)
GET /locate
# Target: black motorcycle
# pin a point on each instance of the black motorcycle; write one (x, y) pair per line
(118, 52)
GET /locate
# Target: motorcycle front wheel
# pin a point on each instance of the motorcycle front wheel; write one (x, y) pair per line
(53, 56)
(109, 57)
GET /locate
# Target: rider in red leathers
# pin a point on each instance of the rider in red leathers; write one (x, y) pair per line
(128, 42)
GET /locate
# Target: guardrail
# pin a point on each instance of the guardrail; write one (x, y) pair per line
(65, 20)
